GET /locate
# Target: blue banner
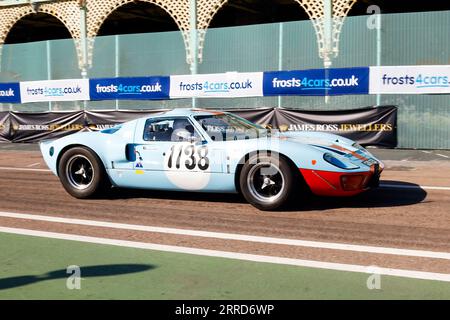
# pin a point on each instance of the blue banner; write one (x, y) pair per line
(9, 93)
(317, 82)
(142, 88)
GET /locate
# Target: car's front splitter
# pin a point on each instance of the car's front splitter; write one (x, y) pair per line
(329, 183)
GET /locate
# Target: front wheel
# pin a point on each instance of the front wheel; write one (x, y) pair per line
(81, 173)
(266, 181)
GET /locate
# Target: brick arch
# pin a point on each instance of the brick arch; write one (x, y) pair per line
(14, 14)
(99, 11)
(315, 11)
(207, 9)
(67, 13)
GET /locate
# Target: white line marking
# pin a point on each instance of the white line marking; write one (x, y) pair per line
(33, 164)
(24, 169)
(426, 151)
(382, 185)
(442, 155)
(234, 255)
(399, 186)
(231, 236)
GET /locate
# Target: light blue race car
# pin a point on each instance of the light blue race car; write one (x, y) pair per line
(211, 151)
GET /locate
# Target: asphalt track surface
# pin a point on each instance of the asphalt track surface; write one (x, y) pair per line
(411, 211)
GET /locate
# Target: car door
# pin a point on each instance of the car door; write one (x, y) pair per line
(172, 154)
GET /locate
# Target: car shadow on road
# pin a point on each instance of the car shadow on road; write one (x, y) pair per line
(85, 272)
(390, 194)
(117, 193)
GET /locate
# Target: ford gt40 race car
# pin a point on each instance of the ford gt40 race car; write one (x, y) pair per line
(209, 151)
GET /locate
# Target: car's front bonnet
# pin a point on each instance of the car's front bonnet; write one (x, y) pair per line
(335, 144)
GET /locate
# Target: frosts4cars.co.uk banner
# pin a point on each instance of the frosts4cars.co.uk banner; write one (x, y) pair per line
(314, 82)
(9, 93)
(220, 85)
(410, 80)
(317, 82)
(54, 90)
(140, 88)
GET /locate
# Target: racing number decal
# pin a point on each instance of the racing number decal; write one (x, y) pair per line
(203, 163)
(191, 162)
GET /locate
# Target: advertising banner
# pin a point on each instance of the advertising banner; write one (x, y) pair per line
(100, 120)
(54, 90)
(9, 93)
(317, 82)
(433, 79)
(220, 85)
(142, 88)
(410, 80)
(263, 116)
(33, 127)
(4, 127)
(375, 126)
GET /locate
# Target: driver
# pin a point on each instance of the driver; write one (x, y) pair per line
(182, 130)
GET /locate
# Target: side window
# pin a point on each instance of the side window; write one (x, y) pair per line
(214, 127)
(176, 130)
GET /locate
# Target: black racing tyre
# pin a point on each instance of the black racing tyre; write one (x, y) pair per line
(82, 173)
(267, 181)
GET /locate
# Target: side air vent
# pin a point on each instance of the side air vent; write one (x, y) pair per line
(129, 152)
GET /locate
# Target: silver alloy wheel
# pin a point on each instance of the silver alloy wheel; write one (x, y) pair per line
(80, 172)
(265, 182)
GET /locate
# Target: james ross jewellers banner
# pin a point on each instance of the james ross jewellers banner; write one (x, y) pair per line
(5, 134)
(375, 126)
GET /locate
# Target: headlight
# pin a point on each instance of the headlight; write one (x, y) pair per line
(339, 162)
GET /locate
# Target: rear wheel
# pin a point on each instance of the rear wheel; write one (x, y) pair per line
(266, 181)
(81, 173)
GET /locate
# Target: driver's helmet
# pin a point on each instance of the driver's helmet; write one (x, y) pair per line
(182, 130)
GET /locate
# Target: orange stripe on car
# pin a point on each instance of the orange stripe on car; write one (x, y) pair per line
(353, 153)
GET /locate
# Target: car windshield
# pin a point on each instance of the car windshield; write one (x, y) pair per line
(226, 127)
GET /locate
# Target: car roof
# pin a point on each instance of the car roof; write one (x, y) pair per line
(190, 112)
